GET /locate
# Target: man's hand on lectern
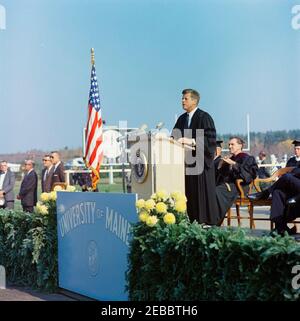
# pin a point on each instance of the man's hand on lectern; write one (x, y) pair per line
(187, 141)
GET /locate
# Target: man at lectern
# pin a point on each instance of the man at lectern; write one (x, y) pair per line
(199, 185)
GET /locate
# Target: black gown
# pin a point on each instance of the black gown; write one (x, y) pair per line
(200, 189)
(292, 162)
(226, 191)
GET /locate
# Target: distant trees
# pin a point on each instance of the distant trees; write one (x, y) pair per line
(277, 142)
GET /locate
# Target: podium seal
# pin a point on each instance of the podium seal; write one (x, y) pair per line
(139, 167)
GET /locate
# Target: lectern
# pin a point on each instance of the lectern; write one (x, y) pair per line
(157, 163)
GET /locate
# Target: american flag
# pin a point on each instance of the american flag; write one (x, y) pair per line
(94, 137)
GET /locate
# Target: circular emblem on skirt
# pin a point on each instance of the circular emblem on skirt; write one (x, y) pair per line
(139, 167)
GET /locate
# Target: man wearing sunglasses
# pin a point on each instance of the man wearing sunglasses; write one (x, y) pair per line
(47, 173)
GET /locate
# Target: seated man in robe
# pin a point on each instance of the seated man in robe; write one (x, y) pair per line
(239, 165)
(287, 187)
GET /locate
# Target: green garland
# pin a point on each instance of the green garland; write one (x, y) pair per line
(186, 262)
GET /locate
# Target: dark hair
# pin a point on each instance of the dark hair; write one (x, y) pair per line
(262, 153)
(194, 94)
(239, 140)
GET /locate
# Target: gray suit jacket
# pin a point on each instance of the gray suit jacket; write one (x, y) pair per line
(8, 186)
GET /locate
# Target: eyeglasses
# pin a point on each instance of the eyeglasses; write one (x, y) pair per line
(46, 160)
(51, 156)
(27, 164)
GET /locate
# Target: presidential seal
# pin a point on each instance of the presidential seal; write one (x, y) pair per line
(139, 167)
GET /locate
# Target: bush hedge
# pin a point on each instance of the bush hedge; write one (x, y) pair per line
(187, 262)
(28, 248)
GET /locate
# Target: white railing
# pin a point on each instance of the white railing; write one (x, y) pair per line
(110, 170)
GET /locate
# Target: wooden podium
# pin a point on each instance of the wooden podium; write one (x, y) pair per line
(157, 163)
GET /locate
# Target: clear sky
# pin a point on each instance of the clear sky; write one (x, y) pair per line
(241, 55)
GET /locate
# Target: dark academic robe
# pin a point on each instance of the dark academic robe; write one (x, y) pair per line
(216, 163)
(245, 168)
(200, 188)
(292, 162)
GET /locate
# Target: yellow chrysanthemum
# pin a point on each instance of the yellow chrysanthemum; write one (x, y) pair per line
(169, 218)
(71, 188)
(161, 208)
(162, 194)
(153, 196)
(180, 206)
(151, 220)
(41, 209)
(149, 205)
(57, 188)
(177, 196)
(44, 197)
(140, 203)
(52, 196)
(143, 216)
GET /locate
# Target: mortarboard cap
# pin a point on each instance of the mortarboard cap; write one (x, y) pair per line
(219, 142)
(296, 143)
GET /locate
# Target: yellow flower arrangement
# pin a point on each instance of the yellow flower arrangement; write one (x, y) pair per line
(151, 220)
(161, 208)
(149, 204)
(44, 197)
(52, 196)
(57, 188)
(177, 196)
(41, 208)
(140, 203)
(143, 216)
(180, 206)
(169, 218)
(162, 194)
(71, 188)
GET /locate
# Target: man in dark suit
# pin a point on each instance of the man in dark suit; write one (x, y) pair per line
(285, 188)
(199, 172)
(58, 175)
(47, 173)
(28, 190)
(7, 183)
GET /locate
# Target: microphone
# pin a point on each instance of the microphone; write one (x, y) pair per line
(136, 132)
(160, 125)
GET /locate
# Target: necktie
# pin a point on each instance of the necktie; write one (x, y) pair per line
(186, 123)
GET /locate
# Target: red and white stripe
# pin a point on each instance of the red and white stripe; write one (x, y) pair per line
(94, 139)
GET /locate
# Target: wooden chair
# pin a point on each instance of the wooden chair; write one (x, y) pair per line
(268, 202)
(241, 201)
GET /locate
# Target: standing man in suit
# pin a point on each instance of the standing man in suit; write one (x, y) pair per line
(47, 173)
(58, 169)
(295, 160)
(7, 184)
(28, 190)
(200, 175)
